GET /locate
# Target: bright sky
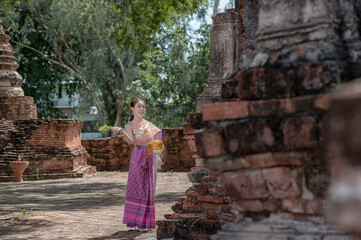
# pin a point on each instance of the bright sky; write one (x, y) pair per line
(222, 5)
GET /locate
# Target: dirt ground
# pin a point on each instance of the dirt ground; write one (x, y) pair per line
(79, 208)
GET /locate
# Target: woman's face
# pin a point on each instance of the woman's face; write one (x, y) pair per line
(139, 109)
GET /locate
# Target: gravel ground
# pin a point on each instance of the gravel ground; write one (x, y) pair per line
(79, 208)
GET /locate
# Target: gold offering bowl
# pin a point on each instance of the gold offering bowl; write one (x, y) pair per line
(155, 145)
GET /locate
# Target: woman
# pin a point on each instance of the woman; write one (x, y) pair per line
(139, 200)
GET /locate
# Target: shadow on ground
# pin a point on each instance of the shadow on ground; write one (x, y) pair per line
(130, 234)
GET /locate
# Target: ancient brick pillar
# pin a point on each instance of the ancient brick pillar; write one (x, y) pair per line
(269, 145)
(222, 63)
(191, 218)
(263, 141)
(13, 104)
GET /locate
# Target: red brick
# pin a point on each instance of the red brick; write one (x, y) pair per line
(195, 120)
(228, 91)
(266, 83)
(288, 106)
(317, 181)
(212, 215)
(201, 188)
(263, 108)
(210, 143)
(211, 206)
(192, 204)
(226, 208)
(183, 215)
(251, 136)
(248, 206)
(216, 190)
(302, 50)
(209, 179)
(192, 193)
(227, 110)
(282, 182)
(210, 199)
(273, 159)
(203, 228)
(322, 101)
(272, 205)
(301, 206)
(229, 218)
(244, 185)
(114, 153)
(300, 133)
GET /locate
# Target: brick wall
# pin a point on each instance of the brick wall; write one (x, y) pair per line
(52, 147)
(12, 108)
(263, 171)
(113, 153)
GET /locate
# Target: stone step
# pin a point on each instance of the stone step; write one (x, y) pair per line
(6, 178)
(80, 172)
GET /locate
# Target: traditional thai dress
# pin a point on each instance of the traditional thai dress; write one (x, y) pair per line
(139, 199)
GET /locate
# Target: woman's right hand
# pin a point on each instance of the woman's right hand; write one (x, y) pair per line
(115, 129)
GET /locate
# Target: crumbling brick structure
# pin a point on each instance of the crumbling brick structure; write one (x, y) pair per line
(113, 154)
(263, 144)
(52, 147)
(13, 104)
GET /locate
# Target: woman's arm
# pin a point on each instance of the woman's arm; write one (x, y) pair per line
(129, 137)
(126, 135)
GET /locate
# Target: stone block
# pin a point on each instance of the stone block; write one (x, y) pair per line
(266, 83)
(224, 111)
(201, 188)
(300, 132)
(305, 207)
(210, 199)
(282, 182)
(289, 106)
(210, 143)
(203, 228)
(228, 90)
(317, 181)
(271, 159)
(243, 206)
(195, 120)
(166, 228)
(217, 190)
(244, 185)
(211, 206)
(191, 205)
(252, 136)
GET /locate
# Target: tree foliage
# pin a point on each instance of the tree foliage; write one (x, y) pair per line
(111, 51)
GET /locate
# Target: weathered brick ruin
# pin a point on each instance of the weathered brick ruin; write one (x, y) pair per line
(345, 148)
(113, 154)
(265, 172)
(52, 147)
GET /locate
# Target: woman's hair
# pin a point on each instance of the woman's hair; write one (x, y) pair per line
(132, 104)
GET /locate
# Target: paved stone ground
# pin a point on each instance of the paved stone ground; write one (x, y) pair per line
(79, 208)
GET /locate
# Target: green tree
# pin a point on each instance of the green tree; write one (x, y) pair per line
(173, 75)
(99, 43)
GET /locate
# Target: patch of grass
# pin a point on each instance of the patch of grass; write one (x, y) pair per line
(24, 213)
(37, 174)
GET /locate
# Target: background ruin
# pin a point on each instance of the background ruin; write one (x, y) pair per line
(263, 123)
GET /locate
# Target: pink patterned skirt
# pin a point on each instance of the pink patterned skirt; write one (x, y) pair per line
(139, 199)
